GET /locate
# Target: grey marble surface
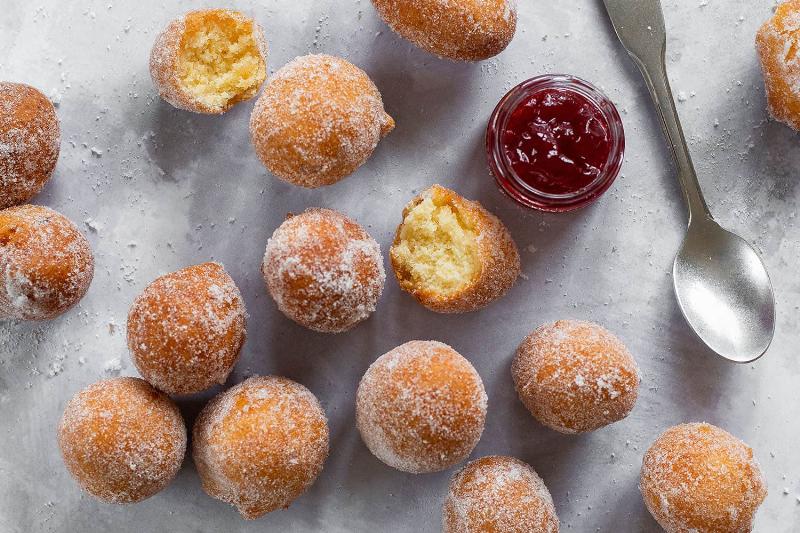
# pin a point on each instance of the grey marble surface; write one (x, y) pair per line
(165, 189)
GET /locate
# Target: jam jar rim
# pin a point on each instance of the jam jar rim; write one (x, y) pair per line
(518, 189)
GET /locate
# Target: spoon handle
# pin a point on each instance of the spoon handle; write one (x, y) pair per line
(640, 27)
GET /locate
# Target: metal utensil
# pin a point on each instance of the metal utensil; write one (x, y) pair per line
(722, 285)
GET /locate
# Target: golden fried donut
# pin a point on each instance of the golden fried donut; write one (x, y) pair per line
(451, 254)
(463, 30)
(421, 407)
(46, 264)
(778, 42)
(575, 376)
(697, 477)
(260, 445)
(30, 141)
(209, 60)
(318, 120)
(186, 329)
(498, 494)
(122, 440)
(323, 270)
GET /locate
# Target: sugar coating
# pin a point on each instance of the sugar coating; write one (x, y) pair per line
(698, 478)
(46, 264)
(421, 407)
(186, 329)
(498, 494)
(464, 30)
(165, 61)
(318, 120)
(575, 376)
(122, 440)
(261, 444)
(324, 270)
(30, 141)
(497, 256)
(778, 45)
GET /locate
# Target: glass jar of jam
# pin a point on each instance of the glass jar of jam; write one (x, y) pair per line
(555, 143)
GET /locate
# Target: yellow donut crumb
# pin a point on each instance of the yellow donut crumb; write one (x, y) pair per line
(219, 60)
(209, 60)
(437, 247)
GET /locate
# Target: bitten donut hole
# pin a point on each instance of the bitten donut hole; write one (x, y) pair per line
(438, 247)
(220, 62)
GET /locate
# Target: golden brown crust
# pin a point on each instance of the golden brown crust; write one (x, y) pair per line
(122, 440)
(499, 259)
(498, 494)
(186, 329)
(463, 30)
(30, 141)
(46, 264)
(575, 376)
(324, 270)
(778, 45)
(261, 444)
(697, 477)
(421, 407)
(319, 119)
(164, 60)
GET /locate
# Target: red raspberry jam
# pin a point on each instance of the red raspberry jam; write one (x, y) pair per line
(555, 143)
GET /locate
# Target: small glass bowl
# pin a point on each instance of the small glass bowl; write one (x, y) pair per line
(522, 192)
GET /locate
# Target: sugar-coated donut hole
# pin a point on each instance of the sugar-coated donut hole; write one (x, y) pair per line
(462, 30)
(778, 46)
(421, 407)
(260, 444)
(206, 61)
(436, 247)
(324, 270)
(451, 254)
(220, 62)
(575, 376)
(46, 264)
(30, 142)
(318, 120)
(498, 494)
(186, 328)
(698, 477)
(122, 440)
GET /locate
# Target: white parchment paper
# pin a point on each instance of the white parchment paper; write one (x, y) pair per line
(156, 189)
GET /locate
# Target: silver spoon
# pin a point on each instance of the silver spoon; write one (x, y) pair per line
(722, 285)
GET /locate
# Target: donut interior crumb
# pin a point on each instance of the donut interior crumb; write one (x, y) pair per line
(437, 250)
(219, 62)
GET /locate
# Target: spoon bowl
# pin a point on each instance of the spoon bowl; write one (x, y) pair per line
(724, 292)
